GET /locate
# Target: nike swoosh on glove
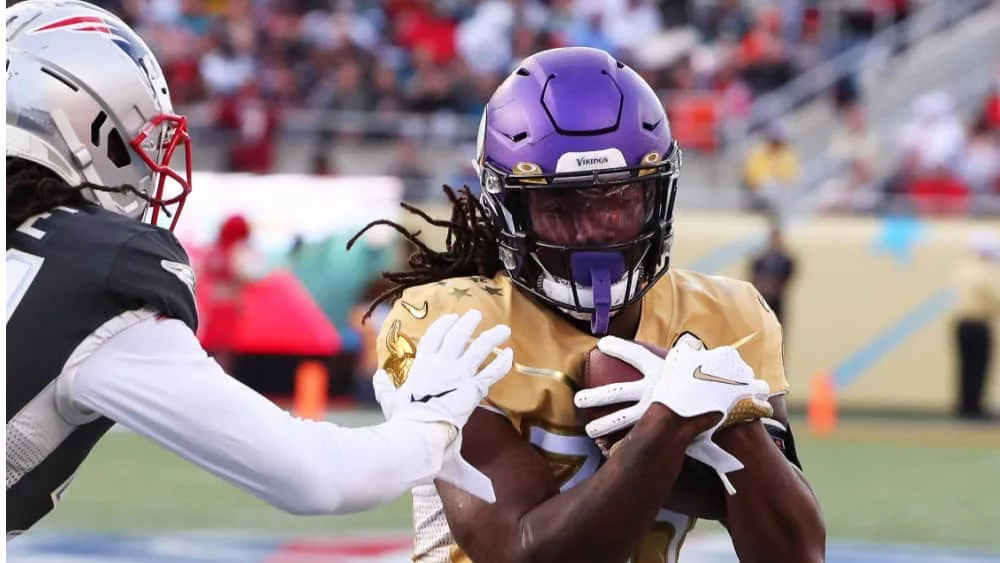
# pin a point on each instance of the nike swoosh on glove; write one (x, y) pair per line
(690, 381)
(445, 385)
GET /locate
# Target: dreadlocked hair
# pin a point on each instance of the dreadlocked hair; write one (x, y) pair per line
(33, 189)
(470, 247)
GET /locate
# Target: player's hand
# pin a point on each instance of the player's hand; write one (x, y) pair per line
(690, 382)
(445, 385)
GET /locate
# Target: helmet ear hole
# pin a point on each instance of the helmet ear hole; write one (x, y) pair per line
(117, 151)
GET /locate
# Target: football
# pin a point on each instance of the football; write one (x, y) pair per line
(698, 491)
(601, 369)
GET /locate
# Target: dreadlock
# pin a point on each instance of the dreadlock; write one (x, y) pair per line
(470, 247)
(33, 189)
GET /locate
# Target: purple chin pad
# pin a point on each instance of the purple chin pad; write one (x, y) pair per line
(598, 270)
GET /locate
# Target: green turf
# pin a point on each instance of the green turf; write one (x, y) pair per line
(907, 485)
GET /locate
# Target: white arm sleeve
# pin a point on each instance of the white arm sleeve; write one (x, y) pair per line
(154, 378)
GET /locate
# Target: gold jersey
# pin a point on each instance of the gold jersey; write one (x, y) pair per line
(537, 395)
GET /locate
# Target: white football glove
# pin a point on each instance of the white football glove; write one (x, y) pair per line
(445, 385)
(689, 381)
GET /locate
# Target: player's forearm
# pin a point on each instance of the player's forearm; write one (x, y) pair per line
(300, 466)
(605, 517)
(155, 379)
(360, 468)
(774, 517)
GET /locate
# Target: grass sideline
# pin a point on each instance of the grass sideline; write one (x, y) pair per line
(927, 483)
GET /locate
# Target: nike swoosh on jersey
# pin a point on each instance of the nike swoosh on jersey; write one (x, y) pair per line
(427, 398)
(417, 312)
(699, 374)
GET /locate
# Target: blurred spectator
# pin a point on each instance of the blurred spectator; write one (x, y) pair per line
(938, 192)
(846, 92)
(854, 147)
(729, 21)
(933, 137)
(408, 166)
(322, 164)
(991, 113)
(386, 97)
(253, 123)
(976, 312)
(979, 165)
(350, 92)
(735, 95)
(772, 271)
(228, 266)
(430, 88)
(853, 190)
(771, 168)
(589, 32)
(367, 359)
(855, 142)
(630, 24)
(765, 57)
(224, 70)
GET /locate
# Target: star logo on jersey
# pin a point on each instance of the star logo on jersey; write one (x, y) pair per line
(459, 293)
(418, 313)
(699, 374)
(490, 290)
(183, 272)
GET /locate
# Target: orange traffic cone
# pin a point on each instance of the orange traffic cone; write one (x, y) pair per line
(310, 390)
(822, 408)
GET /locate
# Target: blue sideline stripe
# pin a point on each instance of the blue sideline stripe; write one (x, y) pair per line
(928, 311)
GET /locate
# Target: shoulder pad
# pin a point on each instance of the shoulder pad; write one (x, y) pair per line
(152, 270)
(420, 306)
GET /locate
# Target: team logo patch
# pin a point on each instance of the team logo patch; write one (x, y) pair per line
(402, 351)
(183, 272)
(94, 24)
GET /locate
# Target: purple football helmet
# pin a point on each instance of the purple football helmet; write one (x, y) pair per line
(579, 174)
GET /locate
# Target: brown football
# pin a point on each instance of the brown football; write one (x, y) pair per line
(601, 369)
(698, 491)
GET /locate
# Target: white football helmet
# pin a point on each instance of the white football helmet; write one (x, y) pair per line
(86, 99)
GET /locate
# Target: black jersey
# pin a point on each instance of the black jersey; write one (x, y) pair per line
(75, 276)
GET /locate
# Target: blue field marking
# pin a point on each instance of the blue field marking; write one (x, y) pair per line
(930, 310)
(246, 548)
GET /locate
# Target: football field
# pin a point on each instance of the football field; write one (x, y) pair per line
(890, 491)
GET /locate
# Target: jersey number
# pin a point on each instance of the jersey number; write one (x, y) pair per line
(573, 457)
(22, 267)
(21, 271)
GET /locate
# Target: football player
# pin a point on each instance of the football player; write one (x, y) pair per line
(101, 313)
(570, 240)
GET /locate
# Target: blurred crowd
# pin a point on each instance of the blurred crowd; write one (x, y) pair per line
(365, 62)
(411, 70)
(944, 162)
